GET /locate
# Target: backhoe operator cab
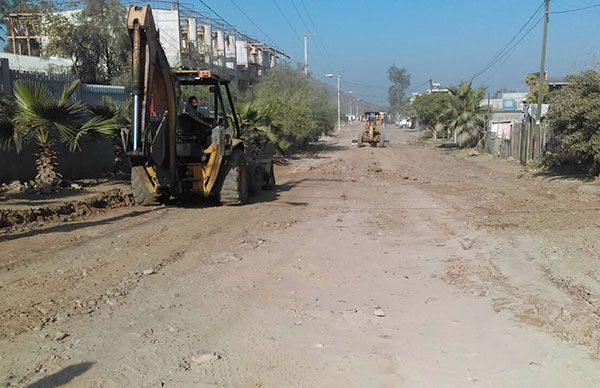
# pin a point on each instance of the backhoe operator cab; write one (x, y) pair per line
(195, 126)
(174, 153)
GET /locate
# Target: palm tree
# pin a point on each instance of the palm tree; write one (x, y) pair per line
(257, 128)
(7, 128)
(465, 117)
(40, 116)
(121, 116)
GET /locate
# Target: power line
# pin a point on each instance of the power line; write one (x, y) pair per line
(577, 9)
(363, 85)
(217, 15)
(252, 21)
(318, 35)
(226, 23)
(507, 48)
(287, 20)
(507, 53)
(309, 31)
(421, 85)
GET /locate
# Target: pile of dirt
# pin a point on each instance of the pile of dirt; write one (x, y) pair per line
(12, 220)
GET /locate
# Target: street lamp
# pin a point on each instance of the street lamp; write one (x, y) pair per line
(339, 79)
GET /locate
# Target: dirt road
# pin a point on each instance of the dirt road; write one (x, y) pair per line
(408, 266)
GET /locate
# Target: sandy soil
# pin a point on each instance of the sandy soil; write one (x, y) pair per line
(408, 266)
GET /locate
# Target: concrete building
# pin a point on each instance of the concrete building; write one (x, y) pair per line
(192, 40)
(509, 102)
(188, 38)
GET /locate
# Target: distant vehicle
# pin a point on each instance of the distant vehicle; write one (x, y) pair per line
(405, 123)
(371, 132)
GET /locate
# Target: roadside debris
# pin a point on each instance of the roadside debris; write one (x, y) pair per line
(203, 357)
(60, 336)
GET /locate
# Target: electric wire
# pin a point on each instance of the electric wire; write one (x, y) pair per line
(287, 20)
(507, 48)
(576, 9)
(318, 35)
(419, 86)
(509, 52)
(310, 32)
(253, 23)
(363, 85)
(219, 16)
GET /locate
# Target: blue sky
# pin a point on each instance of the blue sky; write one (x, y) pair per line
(445, 40)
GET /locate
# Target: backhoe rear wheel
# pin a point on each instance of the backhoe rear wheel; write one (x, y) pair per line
(234, 189)
(144, 190)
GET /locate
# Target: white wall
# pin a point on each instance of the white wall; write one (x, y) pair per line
(167, 23)
(37, 64)
(241, 53)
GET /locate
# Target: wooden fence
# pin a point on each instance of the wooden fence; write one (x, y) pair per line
(521, 141)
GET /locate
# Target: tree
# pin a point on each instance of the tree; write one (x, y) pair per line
(111, 112)
(532, 95)
(466, 117)
(400, 79)
(40, 116)
(8, 108)
(431, 109)
(296, 104)
(257, 127)
(574, 120)
(95, 39)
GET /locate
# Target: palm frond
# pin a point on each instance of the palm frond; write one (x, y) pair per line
(68, 91)
(8, 138)
(39, 111)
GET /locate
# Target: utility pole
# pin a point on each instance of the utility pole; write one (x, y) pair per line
(305, 53)
(542, 77)
(339, 74)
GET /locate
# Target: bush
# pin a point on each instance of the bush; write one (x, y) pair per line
(574, 121)
(298, 106)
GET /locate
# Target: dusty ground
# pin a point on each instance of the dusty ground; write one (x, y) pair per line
(407, 266)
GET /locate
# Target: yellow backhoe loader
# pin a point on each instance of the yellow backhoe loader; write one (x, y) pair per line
(173, 152)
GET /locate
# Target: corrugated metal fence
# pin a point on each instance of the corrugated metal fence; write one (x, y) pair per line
(88, 93)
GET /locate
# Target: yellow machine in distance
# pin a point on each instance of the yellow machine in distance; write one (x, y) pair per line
(371, 132)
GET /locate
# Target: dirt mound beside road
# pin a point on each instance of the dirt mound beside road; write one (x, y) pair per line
(12, 220)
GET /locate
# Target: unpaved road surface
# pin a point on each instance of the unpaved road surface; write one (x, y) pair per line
(408, 266)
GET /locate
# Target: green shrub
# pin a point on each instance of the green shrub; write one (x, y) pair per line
(574, 121)
(297, 105)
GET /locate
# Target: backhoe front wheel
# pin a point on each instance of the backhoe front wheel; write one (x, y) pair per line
(381, 140)
(234, 189)
(144, 189)
(359, 142)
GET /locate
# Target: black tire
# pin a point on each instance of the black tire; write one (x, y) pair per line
(257, 181)
(144, 190)
(234, 187)
(381, 140)
(270, 183)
